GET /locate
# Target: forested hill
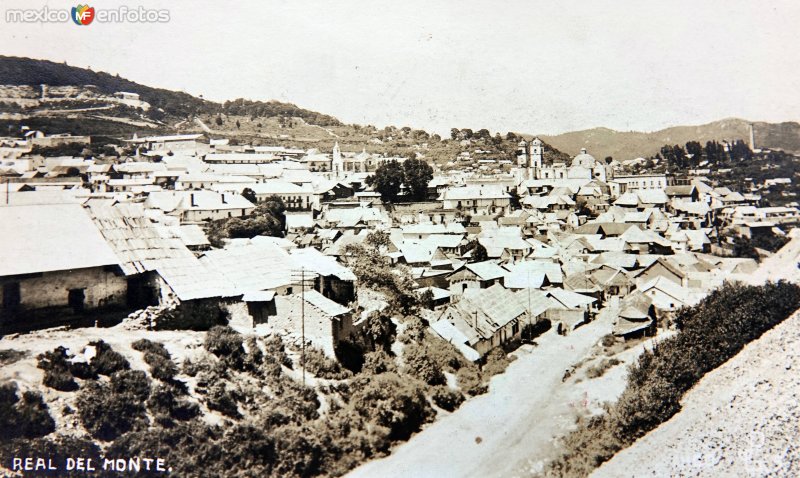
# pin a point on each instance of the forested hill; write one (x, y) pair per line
(27, 71)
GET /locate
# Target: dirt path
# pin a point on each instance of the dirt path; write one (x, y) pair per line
(499, 433)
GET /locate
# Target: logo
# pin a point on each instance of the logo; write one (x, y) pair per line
(82, 14)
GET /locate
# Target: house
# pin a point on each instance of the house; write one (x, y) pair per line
(476, 200)
(665, 269)
(333, 280)
(478, 275)
(296, 198)
(322, 322)
(667, 295)
(198, 206)
(55, 263)
(487, 318)
(636, 317)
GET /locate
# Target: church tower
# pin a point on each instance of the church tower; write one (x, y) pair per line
(536, 155)
(337, 165)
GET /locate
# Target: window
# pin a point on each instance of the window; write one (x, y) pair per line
(288, 290)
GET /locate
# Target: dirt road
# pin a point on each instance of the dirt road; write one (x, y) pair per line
(502, 432)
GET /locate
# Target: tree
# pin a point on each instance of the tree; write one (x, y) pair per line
(416, 176)
(218, 120)
(479, 253)
(238, 125)
(454, 132)
(250, 195)
(387, 180)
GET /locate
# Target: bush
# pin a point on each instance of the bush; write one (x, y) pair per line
(108, 411)
(164, 402)
(470, 382)
(447, 398)
(378, 362)
(155, 348)
(421, 366)
(26, 418)
(496, 362)
(601, 368)
(106, 361)
(275, 348)
(222, 400)
(414, 331)
(227, 344)
(56, 368)
(388, 400)
(319, 365)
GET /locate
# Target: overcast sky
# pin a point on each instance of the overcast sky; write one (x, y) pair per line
(527, 66)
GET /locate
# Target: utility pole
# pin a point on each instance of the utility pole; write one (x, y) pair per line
(301, 277)
(303, 320)
(530, 332)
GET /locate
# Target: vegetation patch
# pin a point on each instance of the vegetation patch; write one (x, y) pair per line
(709, 334)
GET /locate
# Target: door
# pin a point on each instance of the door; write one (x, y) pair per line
(11, 296)
(75, 299)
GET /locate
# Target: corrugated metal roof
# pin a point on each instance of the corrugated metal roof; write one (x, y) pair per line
(55, 237)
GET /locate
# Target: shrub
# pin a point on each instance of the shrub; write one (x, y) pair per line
(9, 356)
(390, 401)
(26, 418)
(222, 400)
(470, 382)
(163, 401)
(161, 368)
(155, 348)
(421, 366)
(56, 368)
(108, 411)
(601, 368)
(107, 361)
(227, 344)
(158, 358)
(496, 362)
(378, 362)
(319, 365)
(254, 358)
(447, 398)
(414, 331)
(275, 348)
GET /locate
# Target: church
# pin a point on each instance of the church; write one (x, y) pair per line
(583, 166)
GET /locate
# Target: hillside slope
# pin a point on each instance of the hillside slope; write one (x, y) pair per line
(602, 142)
(27, 71)
(742, 419)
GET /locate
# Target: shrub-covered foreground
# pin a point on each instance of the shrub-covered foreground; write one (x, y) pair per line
(245, 411)
(709, 334)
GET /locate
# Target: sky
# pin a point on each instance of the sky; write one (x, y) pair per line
(542, 67)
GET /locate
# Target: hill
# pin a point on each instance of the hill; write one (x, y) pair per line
(602, 142)
(27, 71)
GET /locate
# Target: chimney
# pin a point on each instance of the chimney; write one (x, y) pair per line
(752, 138)
(194, 204)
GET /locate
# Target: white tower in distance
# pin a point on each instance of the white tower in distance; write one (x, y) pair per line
(337, 165)
(536, 154)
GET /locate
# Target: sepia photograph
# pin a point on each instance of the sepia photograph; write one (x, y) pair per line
(406, 239)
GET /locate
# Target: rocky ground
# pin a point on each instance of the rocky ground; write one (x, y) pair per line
(742, 419)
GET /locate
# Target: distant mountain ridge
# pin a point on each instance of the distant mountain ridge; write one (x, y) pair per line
(179, 106)
(602, 142)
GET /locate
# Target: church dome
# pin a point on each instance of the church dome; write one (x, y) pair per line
(584, 160)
